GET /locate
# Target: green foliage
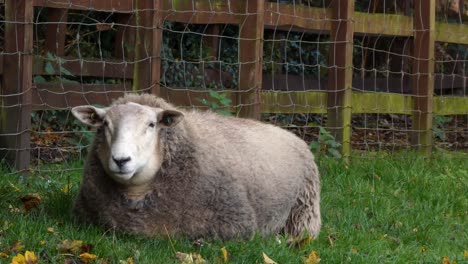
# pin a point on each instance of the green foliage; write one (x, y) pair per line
(61, 75)
(326, 144)
(438, 126)
(220, 103)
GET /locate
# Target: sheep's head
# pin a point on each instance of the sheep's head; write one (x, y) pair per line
(130, 153)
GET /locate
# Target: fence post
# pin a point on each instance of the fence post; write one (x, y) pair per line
(156, 46)
(340, 75)
(56, 31)
(15, 116)
(423, 74)
(142, 73)
(250, 58)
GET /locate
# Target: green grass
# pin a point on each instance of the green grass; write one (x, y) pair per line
(382, 209)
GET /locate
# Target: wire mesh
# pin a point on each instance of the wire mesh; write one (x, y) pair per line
(217, 54)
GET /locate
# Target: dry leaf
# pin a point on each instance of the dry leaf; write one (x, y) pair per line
(226, 255)
(267, 259)
(184, 257)
(299, 242)
(331, 239)
(18, 259)
(104, 27)
(30, 257)
(128, 261)
(354, 250)
(72, 247)
(17, 246)
(3, 255)
(445, 260)
(313, 258)
(87, 257)
(30, 201)
(67, 188)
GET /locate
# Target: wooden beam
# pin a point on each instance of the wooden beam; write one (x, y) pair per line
(109, 6)
(156, 42)
(56, 31)
(250, 58)
(423, 72)
(340, 74)
(15, 117)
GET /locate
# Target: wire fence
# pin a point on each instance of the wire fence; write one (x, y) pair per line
(343, 75)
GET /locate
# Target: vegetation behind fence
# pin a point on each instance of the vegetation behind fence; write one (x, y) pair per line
(366, 75)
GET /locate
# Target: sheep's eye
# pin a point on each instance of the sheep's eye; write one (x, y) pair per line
(167, 120)
(152, 125)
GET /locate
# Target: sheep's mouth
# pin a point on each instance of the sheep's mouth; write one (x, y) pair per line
(123, 175)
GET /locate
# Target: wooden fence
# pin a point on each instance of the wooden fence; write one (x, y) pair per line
(142, 21)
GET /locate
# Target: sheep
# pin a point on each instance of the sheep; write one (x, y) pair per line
(155, 169)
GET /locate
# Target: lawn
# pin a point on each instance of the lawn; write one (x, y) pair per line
(398, 208)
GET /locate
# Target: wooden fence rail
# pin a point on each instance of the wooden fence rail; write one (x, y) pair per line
(140, 23)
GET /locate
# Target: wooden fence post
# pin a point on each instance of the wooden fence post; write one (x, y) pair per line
(156, 46)
(423, 74)
(340, 75)
(56, 32)
(15, 116)
(250, 58)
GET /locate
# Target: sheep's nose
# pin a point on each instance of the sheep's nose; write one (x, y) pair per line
(121, 161)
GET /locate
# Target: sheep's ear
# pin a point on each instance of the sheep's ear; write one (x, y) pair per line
(89, 115)
(169, 118)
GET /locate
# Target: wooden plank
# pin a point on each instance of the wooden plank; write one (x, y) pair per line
(56, 31)
(143, 45)
(66, 95)
(17, 80)
(86, 67)
(341, 74)
(294, 102)
(124, 36)
(156, 35)
(452, 33)
(383, 24)
(423, 72)
(450, 105)
(95, 5)
(299, 16)
(250, 58)
(382, 103)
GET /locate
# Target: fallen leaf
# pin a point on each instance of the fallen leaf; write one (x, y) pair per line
(423, 250)
(67, 188)
(30, 257)
(128, 261)
(68, 246)
(30, 201)
(17, 246)
(445, 260)
(331, 239)
(313, 258)
(226, 255)
(3, 255)
(354, 250)
(267, 259)
(184, 257)
(299, 242)
(14, 187)
(19, 259)
(87, 257)
(51, 230)
(465, 253)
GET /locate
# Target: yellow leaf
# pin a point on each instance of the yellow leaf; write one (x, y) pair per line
(17, 246)
(225, 254)
(354, 250)
(14, 187)
(267, 259)
(19, 259)
(313, 258)
(299, 242)
(423, 250)
(198, 259)
(86, 257)
(445, 260)
(130, 261)
(67, 188)
(465, 253)
(70, 247)
(3, 255)
(30, 257)
(51, 230)
(184, 257)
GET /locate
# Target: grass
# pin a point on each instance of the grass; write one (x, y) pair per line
(381, 209)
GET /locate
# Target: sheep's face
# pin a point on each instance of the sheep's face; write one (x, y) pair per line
(130, 152)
